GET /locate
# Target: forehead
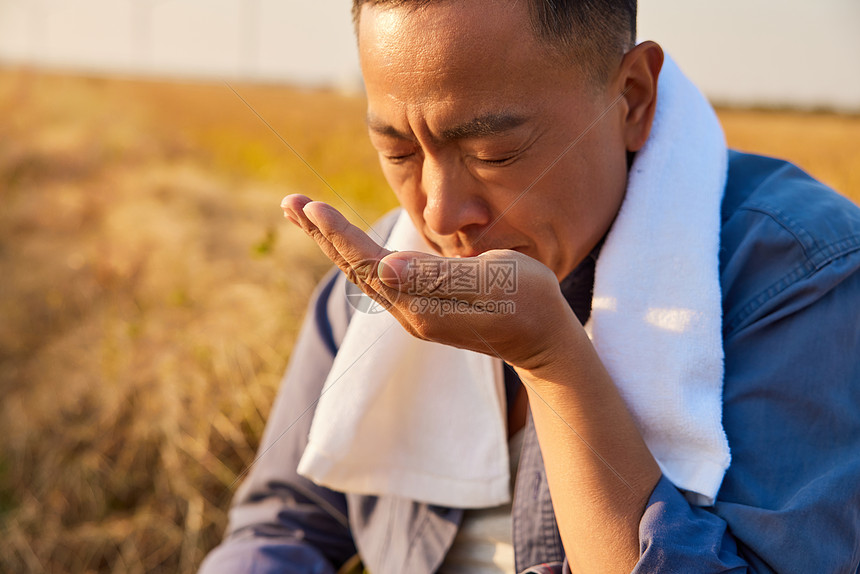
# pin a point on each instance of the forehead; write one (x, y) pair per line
(455, 53)
(444, 29)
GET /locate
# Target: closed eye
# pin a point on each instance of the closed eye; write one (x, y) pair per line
(398, 159)
(498, 155)
(498, 162)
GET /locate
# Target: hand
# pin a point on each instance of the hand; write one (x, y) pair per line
(501, 303)
(568, 388)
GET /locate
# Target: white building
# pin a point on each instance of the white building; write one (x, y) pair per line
(743, 52)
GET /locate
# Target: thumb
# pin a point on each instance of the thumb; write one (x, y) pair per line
(398, 270)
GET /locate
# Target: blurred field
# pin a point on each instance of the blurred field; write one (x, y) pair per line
(150, 293)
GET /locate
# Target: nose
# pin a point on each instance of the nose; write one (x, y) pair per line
(453, 196)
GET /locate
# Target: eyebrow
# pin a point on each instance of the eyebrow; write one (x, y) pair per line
(482, 126)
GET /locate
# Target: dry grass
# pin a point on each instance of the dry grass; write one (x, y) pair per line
(151, 292)
(150, 296)
(825, 145)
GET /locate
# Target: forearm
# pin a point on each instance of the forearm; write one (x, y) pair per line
(598, 512)
(599, 470)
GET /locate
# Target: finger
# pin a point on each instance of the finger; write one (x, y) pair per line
(353, 244)
(426, 275)
(401, 270)
(361, 264)
(361, 272)
(292, 206)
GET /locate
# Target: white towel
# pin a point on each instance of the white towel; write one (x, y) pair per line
(403, 417)
(656, 319)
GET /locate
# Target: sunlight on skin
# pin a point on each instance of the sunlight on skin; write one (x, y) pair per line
(460, 144)
(571, 395)
(381, 273)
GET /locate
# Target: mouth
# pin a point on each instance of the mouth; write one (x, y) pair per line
(475, 252)
(462, 251)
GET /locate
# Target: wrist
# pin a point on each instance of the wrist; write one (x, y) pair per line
(553, 350)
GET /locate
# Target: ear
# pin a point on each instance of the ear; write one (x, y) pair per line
(638, 74)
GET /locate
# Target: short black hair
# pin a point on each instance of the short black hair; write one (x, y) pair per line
(592, 33)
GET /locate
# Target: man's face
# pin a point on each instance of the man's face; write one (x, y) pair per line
(468, 110)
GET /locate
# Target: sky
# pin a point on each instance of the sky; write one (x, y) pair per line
(745, 52)
(777, 52)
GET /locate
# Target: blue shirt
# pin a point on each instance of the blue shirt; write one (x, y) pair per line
(790, 501)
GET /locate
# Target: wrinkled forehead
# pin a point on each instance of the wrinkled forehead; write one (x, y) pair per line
(445, 49)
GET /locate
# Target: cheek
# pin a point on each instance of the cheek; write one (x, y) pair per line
(604, 175)
(582, 195)
(614, 182)
(403, 181)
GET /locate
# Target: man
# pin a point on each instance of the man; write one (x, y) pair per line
(508, 130)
